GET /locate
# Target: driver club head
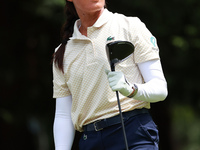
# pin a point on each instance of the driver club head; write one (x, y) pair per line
(118, 51)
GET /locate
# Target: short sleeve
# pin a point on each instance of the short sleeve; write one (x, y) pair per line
(60, 88)
(145, 43)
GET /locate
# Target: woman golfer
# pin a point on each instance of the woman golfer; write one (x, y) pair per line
(85, 92)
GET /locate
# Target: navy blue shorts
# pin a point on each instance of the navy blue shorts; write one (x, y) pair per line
(141, 131)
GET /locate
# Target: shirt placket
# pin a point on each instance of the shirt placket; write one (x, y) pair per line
(90, 52)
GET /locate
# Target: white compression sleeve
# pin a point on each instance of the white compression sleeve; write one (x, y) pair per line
(155, 87)
(63, 128)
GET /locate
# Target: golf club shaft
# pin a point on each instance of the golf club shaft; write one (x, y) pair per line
(120, 113)
(122, 121)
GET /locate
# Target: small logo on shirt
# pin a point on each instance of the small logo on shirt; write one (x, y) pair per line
(153, 41)
(110, 38)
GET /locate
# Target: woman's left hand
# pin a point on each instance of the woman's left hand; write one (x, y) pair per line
(118, 82)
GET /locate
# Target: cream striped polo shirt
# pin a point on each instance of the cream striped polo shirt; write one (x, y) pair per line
(85, 61)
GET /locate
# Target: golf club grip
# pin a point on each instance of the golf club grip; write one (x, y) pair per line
(112, 67)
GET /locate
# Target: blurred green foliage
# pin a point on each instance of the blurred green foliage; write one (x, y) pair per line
(185, 127)
(29, 33)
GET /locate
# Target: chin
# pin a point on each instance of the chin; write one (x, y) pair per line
(96, 9)
(98, 4)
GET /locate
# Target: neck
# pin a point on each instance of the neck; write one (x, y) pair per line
(88, 19)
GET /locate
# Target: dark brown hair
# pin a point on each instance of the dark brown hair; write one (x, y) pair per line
(66, 32)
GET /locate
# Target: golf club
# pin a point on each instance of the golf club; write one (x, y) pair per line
(117, 52)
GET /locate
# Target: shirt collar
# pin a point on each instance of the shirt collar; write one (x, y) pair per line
(104, 18)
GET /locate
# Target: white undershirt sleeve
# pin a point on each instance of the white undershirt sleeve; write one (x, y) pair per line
(155, 87)
(64, 131)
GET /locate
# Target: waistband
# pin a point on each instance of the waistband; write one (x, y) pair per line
(101, 124)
